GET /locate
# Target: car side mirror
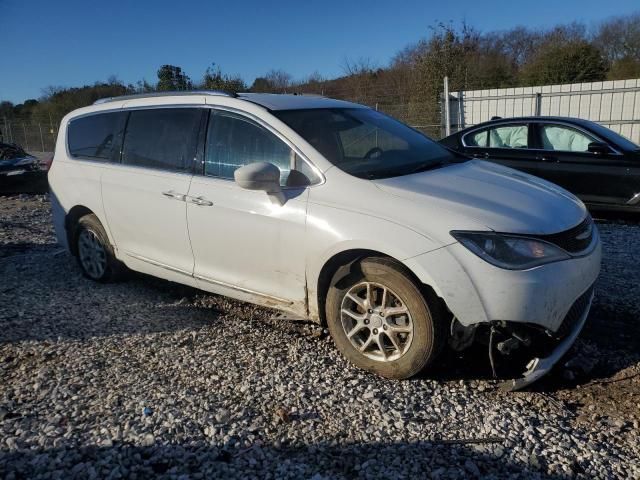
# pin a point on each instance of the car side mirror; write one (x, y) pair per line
(599, 148)
(263, 176)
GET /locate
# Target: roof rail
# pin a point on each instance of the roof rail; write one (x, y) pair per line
(166, 94)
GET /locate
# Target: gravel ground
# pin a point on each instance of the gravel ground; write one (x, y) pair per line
(150, 378)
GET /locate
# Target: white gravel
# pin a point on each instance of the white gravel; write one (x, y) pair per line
(147, 377)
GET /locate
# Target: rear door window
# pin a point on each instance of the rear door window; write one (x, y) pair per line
(162, 138)
(96, 137)
(504, 136)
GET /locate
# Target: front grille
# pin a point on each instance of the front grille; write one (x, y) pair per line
(574, 314)
(574, 240)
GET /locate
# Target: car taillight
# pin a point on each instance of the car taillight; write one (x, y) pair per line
(45, 163)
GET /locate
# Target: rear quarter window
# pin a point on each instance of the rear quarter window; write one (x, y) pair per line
(96, 137)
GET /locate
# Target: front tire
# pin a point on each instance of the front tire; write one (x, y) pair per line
(381, 321)
(94, 251)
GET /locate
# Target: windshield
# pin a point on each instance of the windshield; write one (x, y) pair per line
(614, 137)
(366, 143)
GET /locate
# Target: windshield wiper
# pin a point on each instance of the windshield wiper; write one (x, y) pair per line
(396, 172)
(423, 167)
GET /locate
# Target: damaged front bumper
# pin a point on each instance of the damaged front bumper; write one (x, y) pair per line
(535, 313)
(539, 367)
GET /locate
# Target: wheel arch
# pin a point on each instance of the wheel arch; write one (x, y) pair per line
(341, 264)
(71, 221)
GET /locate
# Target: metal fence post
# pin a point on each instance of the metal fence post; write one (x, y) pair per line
(447, 112)
(41, 138)
(459, 121)
(538, 104)
(26, 141)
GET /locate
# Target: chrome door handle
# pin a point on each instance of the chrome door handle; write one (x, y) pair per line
(200, 201)
(546, 158)
(174, 195)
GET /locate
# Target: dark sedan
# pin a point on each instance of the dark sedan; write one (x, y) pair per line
(595, 163)
(21, 172)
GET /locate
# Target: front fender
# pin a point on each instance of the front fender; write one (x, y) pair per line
(441, 271)
(331, 231)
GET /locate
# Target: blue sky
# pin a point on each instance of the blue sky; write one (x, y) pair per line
(73, 42)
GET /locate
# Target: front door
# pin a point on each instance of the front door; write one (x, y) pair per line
(245, 244)
(609, 178)
(145, 195)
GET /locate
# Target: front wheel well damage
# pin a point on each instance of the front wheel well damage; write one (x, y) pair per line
(71, 221)
(342, 263)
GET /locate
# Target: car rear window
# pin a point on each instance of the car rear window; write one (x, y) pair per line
(96, 137)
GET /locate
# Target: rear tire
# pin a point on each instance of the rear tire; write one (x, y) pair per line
(94, 252)
(382, 321)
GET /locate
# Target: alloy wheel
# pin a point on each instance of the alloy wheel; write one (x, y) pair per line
(376, 321)
(92, 254)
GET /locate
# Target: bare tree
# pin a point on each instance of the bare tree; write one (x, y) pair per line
(360, 66)
(313, 83)
(619, 40)
(279, 80)
(619, 37)
(113, 80)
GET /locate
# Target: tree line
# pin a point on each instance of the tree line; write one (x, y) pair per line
(521, 56)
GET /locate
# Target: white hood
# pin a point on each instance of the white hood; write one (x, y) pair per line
(500, 198)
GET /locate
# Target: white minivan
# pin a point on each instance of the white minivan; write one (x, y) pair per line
(329, 211)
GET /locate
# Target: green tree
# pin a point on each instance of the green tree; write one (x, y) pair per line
(57, 101)
(27, 107)
(214, 79)
(171, 77)
(575, 61)
(261, 85)
(623, 68)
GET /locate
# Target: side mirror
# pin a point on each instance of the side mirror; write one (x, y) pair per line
(599, 148)
(260, 176)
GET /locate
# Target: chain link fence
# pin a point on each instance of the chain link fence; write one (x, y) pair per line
(39, 135)
(415, 115)
(34, 135)
(613, 104)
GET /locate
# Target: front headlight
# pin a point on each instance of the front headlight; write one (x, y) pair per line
(25, 161)
(512, 252)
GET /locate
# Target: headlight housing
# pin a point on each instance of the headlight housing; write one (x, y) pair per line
(512, 252)
(25, 161)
